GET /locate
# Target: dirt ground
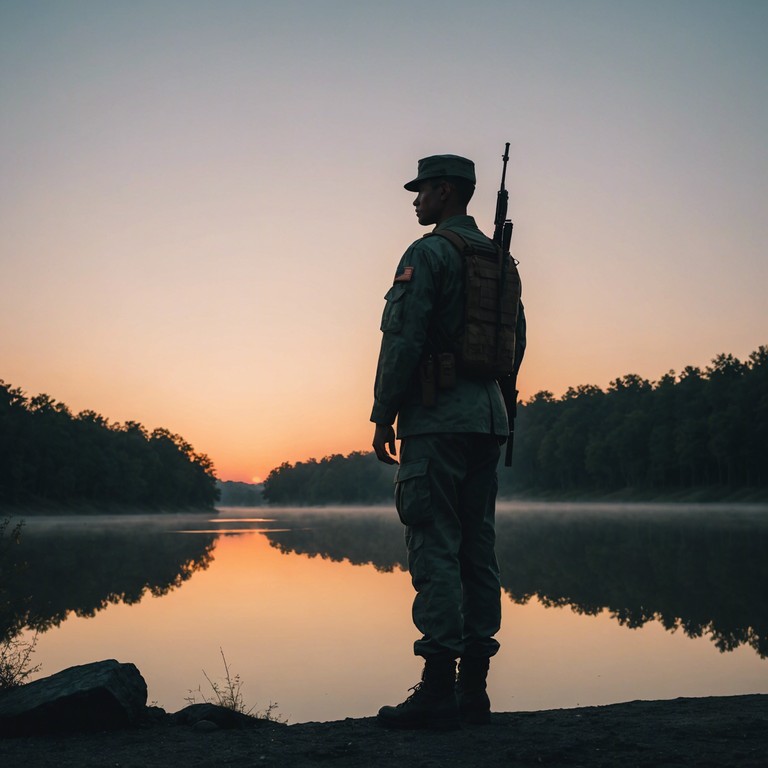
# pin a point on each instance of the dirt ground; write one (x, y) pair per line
(714, 732)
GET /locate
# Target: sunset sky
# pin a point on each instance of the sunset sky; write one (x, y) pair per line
(201, 204)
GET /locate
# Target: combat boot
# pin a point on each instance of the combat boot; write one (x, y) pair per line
(432, 704)
(474, 704)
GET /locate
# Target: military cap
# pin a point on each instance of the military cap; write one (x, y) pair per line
(442, 165)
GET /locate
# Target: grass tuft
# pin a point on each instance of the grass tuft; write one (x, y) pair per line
(228, 693)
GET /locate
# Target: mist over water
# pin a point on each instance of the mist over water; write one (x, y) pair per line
(311, 606)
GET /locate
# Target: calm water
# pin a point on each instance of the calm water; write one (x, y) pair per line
(312, 607)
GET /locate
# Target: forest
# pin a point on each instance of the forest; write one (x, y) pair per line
(358, 478)
(236, 494)
(702, 429)
(50, 456)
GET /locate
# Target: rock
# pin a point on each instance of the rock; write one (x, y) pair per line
(215, 714)
(154, 715)
(205, 726)
(98, 696)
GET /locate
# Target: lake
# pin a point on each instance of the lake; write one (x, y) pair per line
(311, 607)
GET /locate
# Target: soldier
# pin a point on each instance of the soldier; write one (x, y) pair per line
(451, 426)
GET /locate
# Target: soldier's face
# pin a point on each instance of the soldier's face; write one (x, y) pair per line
(429, 202)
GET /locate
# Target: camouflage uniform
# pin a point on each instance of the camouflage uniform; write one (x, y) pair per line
(446, 482)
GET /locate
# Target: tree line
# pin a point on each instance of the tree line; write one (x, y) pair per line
(236, 494)
(704, 428)
(50, 455)
(358, 478)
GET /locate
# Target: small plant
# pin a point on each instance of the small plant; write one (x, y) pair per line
(271, 713)
(228, 693)
(15, 661)
(15, 654)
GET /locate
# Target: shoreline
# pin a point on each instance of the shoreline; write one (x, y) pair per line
(713, 731)
(90, 509)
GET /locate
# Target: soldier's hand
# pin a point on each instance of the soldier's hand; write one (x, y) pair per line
(383, 438)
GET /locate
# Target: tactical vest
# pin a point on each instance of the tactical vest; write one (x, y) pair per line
(486, 343)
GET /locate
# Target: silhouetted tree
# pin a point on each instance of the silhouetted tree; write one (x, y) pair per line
(699, 429)
(49, 455)
(358, 478)
(234, 494)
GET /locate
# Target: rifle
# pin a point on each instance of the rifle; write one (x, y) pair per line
(502, 236)
(502, 226)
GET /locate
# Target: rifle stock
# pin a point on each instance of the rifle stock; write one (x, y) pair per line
(509, 393)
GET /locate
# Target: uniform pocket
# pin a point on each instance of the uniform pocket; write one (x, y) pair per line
(413, 496)
(392, 318)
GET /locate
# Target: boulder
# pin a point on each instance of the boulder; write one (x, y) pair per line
(97, 696)
(213, 714)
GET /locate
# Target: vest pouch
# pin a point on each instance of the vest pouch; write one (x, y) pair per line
(486, 343)
(413, 495)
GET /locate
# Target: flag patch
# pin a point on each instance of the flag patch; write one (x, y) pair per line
(404, 276)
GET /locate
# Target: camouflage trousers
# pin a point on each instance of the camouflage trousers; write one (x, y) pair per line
(446, 497)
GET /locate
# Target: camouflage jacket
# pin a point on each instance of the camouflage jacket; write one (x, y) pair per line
(424, 304)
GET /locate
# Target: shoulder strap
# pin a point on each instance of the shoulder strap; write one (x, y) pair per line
(438, 341)
(464, 247)
(452, 237)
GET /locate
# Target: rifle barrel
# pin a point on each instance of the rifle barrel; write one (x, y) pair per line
(502, 198)
(505, 160)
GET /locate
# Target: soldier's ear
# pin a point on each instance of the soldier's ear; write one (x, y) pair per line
(446, 189)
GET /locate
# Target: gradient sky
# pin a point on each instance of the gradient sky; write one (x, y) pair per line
(201, 204)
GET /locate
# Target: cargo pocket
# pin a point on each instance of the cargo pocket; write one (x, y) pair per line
(413, 497)
(392, 318)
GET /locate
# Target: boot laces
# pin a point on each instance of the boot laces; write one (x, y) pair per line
(416, 691)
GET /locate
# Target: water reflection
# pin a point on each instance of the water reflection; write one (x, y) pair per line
(702, 570)
(81, 565)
